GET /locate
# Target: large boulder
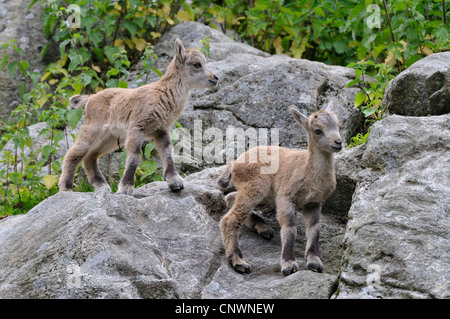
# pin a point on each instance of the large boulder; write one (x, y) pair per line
(256, 90)
(161, 244)
(397, 240)
(155, 244)
(422, 89)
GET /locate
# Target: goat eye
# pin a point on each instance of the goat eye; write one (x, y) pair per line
(318, 132)
(197, 65)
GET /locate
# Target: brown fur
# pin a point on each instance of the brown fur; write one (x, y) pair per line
(128, 117)
(304, 180)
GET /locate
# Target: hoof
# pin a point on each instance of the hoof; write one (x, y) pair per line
(126, 189)
(290, 268)
(176, 184)
(239, 264)
(267, 233)
(259, 225)
(314, 264)
(243, 268)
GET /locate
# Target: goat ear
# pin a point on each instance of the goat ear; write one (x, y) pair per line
(179, 50)
(299, 117)
(330, 107)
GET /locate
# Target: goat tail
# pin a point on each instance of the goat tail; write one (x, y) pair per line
(77, 101)
(225, 177)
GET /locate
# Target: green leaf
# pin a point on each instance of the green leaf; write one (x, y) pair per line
(75, 60)
(157, 72)
(22, 89)
(4, 61)
(23, 66)
(86, 78)
(148, 149)
(340, 46)
(360, 98)
(442, 34)
(74, 116)
(12, 68)
(112, 72)
(47, 150)
(148, 168)
(369, 111)
(111, 83)
(62, 46)
(123, 84)
(319, 11)
(401, 5)
(351, 83)
(131, 27)
(109, 52)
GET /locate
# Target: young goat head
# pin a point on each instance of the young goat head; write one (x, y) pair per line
(322, 128)
(127, 117)
(304, 179)
(192, 65)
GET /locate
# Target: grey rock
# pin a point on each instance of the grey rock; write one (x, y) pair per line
(26, 27)
(256, 90)
(422, 89)
(155, 244)
(397, 237)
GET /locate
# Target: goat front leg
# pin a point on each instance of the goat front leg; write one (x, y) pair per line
(286, 218)
(133, 147)
(164, 146)
(311, 217)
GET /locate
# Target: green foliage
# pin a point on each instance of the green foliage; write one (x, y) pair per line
(358, 139)
(370, 99)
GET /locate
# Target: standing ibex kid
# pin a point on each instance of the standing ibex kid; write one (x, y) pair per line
(304, 179)
(116, 117)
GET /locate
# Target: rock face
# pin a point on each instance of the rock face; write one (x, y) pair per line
(397, 237)
(422, 89)
(256, 90)
(157, 244)
(26, 27)
(384, 232)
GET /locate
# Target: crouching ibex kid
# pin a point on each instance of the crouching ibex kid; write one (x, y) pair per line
(116, 117)
(304, 179)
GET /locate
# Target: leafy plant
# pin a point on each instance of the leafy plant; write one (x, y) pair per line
(358, 139)
(370, 99)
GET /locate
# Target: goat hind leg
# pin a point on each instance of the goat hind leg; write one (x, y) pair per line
(230, 224)
(133, 147)
(311, 217)
(90, 163)
(71, 160)
(254, 221)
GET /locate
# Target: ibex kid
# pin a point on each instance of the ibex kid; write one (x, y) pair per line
(116, 117)
(304, 180)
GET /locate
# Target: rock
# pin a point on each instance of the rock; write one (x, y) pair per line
(422, 89)
(256, 90)
(26, 27)
(155, 244)
(397, 237)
